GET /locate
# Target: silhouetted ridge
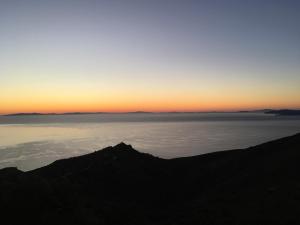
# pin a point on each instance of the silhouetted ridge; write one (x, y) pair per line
(284, 112)
(121, 156)
(123, 147)
(119, 185)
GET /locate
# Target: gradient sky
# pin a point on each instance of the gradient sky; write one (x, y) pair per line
(155, 55)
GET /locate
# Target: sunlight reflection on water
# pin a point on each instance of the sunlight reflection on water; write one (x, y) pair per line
(29, 146)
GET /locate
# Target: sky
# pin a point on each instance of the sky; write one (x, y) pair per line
(158, 55)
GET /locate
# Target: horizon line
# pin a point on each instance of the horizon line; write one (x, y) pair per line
(141, 111)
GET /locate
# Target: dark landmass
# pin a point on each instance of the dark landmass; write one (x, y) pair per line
(280, 112)
(121, 186)
(269, 111)
(284, 112)
(56, 114)
(29, 114)
(140, 112)
(70, 113)
(255, 111)
(81, 113)
(75, 113)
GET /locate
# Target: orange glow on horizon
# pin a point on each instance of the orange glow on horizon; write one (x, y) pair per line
(190, 100)
(121, 107)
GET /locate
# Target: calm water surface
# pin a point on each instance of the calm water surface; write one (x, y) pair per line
(29, 142)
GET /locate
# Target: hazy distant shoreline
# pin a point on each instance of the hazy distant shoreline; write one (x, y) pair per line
(280, 112)
(70, 113)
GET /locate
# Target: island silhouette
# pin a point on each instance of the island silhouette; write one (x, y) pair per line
(281, 112)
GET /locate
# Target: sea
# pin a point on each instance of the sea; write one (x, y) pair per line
(28, 142)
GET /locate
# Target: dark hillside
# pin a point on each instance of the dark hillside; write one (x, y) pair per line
(119, 185)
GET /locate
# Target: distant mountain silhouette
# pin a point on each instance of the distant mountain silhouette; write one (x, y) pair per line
(269, 111)
(140, 112)
(29, 114)
(47, 114)
(256, 111)
(70, 113)
(121, 186)
(284, 112)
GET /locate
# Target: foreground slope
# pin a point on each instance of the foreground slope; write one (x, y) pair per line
(119, 185)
